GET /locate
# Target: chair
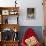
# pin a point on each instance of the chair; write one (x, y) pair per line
(29, 33)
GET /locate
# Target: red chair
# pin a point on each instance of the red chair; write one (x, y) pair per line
(29, 33)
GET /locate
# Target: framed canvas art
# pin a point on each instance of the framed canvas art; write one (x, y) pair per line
(5, 12)
(30, 13)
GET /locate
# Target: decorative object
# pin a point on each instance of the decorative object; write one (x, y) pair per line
(5, 12)
(13, 12)
(30, 13)
(7, 34)
(15, 34)
(6, 21)
(15, 37)
(15, 3)
(15, 30)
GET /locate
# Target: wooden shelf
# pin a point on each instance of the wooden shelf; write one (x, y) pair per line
(9, 43)
(4, 13)
(5, 8)
(11, 26)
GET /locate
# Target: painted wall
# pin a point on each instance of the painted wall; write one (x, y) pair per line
(37, 4)
(24, 4)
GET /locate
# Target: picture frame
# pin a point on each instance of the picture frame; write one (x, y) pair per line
(30, 13)
(5, 12)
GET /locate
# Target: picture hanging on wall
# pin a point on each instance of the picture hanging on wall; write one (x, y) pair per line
(30, 13)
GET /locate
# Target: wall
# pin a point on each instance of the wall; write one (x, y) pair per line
(24, 4)
(37, 4)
